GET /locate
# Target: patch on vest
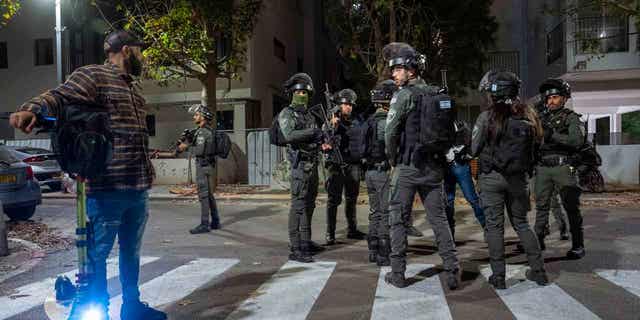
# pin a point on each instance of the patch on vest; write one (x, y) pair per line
(200, 140)
(445, 104)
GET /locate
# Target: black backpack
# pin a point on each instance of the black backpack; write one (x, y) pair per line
(437, 113)
(514, 152)
(275, 134)
(223, 144)
(83, 140)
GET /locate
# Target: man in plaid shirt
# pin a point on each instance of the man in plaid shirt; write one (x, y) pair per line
(117, 200)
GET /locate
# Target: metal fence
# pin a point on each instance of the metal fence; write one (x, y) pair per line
(35, 143)
(262, 157)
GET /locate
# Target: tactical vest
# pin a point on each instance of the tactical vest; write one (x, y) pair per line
(375, 144)
(429, 130)
(512, 151)
(356, 147)
(303, 120)
(204, 146)
(558, 122)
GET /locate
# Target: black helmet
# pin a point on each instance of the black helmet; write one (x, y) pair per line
(503, 86)
(347, 96)
(203, 110)
(402, 54)
(554, 87)
(299, 81)
(383, 91)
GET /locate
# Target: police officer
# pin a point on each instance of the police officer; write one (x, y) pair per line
(505, 140)
(303, 136)
(202, 144)
(563, 136)
(377, 175)
(415, 170)
(343, 176)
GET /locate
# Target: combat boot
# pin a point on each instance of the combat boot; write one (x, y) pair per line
(497, 282)
(201, 228)
(384, 249)
(315, 248)
(414, 232)
(395, 279)
(577, 245)
(576, 253)
(374, 245)
(305, 253)
(330, 238)
(356, 234)
(453, 278)
(539, 277)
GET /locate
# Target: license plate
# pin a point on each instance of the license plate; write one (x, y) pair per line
(8, 178)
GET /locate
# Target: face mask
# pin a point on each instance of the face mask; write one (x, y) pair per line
(135, 65)
(300, 99)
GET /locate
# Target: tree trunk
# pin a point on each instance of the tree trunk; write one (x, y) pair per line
(4, 243)
(210, 102)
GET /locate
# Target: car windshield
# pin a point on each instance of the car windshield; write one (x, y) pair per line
(33, 151)
(6, 155)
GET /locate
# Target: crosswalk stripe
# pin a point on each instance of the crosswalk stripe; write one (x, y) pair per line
(289, 294)
(527, 300)
(34, 294)
(176, 284)
(627, 279)
(424, 299)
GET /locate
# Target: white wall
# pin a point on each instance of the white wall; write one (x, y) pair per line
(620, 163)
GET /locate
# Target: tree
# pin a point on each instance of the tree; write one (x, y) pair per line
(199, 39)
(8, 9)
(454, 35)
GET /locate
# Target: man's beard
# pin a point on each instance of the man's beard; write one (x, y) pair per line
(134, 65)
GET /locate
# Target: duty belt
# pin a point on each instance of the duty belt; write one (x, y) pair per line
(381, 166)
(554, 161)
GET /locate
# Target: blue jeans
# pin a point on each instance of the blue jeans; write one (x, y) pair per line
(461, 174)
(121, 213)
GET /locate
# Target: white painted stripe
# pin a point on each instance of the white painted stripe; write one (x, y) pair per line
(289, 294)
(424, 299)
(627, 279)
(527, 300)
(176, 284)
(34, 294)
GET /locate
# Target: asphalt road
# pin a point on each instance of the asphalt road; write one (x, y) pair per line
(242, 272)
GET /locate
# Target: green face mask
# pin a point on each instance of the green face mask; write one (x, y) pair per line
(298, 99)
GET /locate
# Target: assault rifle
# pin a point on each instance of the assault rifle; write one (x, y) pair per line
(329, 132)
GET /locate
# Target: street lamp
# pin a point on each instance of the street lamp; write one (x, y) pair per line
(59, 30)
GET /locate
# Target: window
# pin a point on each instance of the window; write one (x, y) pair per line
(224, 120)
(599, 31)
(279, 50)
(44, 52)
(151, 124)
(4, 58)
(555, 43)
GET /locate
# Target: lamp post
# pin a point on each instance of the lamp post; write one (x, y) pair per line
(59, 30)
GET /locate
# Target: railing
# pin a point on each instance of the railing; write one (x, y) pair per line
(504, 60)
(601, 34)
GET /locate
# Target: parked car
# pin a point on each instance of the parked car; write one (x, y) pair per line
(19, 189)
(44, 164)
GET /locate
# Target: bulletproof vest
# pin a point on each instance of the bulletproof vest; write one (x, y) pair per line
(204, 145)
(429, 130)
(357, 141)
(513, 149)
(303, 120)
(375, 144)
(557, 121)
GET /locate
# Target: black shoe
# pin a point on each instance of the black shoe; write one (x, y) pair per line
(564, 235)
(383, 261)
(577, 253)
(140, 310)
(356, 234)
(215, 225)
(315, 248)
(539, 277)
(395, 279)
(414, 232)
(453, 279)
(300, 257)
(498, 282)
(202, 228)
